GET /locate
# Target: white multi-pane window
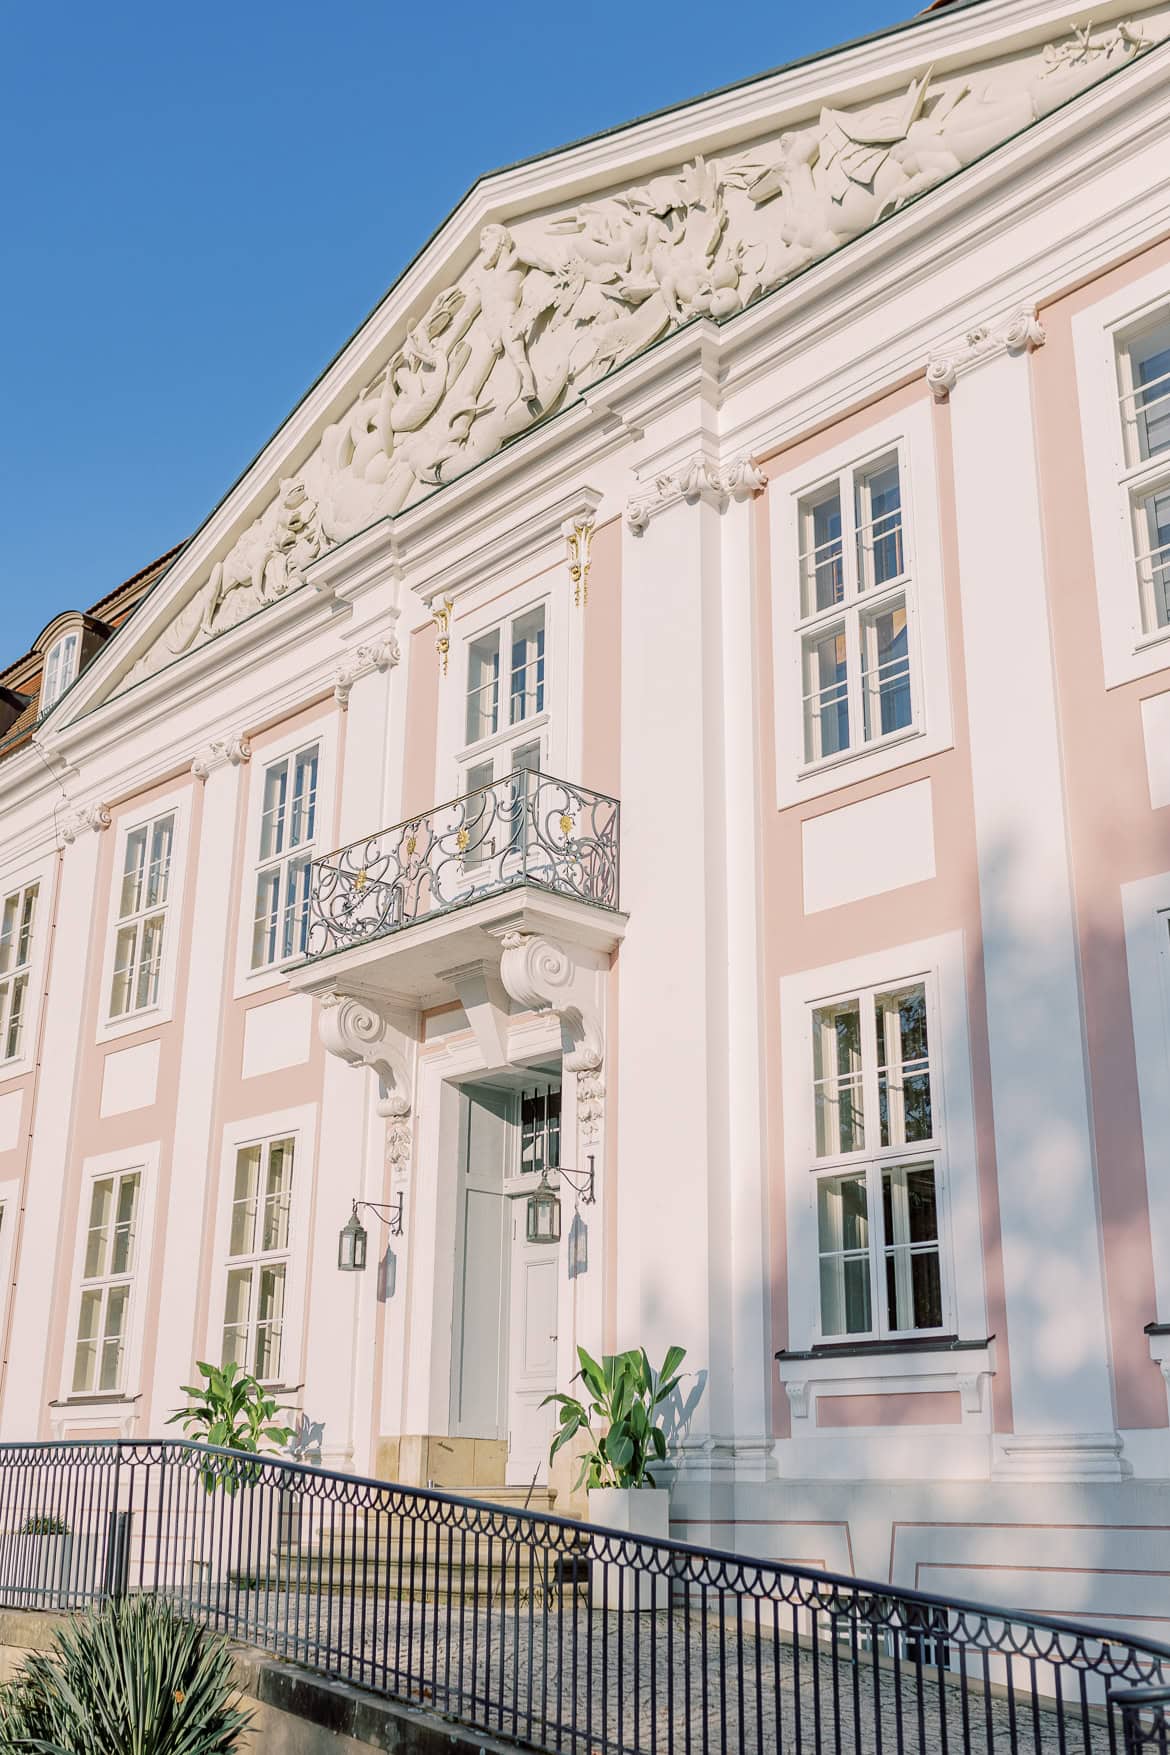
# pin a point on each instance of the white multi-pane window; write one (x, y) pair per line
(877, 1156)
(507, 697)
(1143, 359)
(140, 928)
(856, 610)
(258, 1257)
(288, 830)
(17, 918)
(107, 1278)
(60, 669)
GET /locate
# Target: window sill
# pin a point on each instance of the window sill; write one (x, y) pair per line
(134, 1023)
(96, 1401)
(884, 1349)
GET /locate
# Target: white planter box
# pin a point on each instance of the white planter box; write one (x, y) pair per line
(624, 1577)
(36, 1564)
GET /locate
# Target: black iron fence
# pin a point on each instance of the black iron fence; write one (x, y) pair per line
(556, 1634)
(526, 829)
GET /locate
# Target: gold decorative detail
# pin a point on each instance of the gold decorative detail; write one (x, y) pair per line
(579, 539)
(442, 620)
(361, 880)
(411, 844)
(461, 840)
(566, 825)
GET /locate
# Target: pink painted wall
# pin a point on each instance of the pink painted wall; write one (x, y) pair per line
(422, 722)
(947, 902)
(928, 1407)
(1115, 836)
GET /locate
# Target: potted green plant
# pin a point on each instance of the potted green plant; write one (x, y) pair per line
(621, 1424)
(233, 1410)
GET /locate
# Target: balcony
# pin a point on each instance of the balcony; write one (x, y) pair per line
(400, 908)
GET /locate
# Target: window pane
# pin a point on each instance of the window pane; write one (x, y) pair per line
(10, 1045)
(277, 1191)
(158, 874)
(122, 986)
(8, 919)
(826, 696)
(269, 1321)
(878, 499)
(85, 1355)
(267, 915)
(1153, 552)
(822, 578)
(303, 820)
(837, 1078)
(904, 1105)
(149, 962)
(526, 695)
(483, 686)
(1147, 405)
(272, 818)
(243, 1229)
(843, 1232)
(295, 929)
(885, 671)
(24, 938)
(101, 1209)
(133, 871)
(235, 1316)
(910, 1219)
(122, 1252)
(113, 1337)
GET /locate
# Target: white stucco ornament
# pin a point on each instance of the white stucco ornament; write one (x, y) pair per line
(552, 303)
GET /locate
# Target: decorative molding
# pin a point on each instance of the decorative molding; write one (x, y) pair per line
(970, 1385)
(696, 479)
(1022, 333)
(1059, 1456)
(219, 753)
(379, 655)
(85, 819)
(556, 299)
(360, 1032)
(578, 534)
(798, 1390)
(442, 620)
(543, 975)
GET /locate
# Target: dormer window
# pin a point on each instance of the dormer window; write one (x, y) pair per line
(60, 668)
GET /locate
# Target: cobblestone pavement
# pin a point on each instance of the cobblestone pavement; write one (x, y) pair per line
(559, 1675)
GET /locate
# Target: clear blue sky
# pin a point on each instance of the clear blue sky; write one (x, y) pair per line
(202, 203)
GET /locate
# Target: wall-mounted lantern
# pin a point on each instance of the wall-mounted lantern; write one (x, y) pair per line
(544, 1203)
(352, 1241)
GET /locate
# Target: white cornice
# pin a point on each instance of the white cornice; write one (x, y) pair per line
(221, 752)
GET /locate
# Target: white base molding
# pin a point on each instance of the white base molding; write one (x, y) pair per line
(1059, 1456)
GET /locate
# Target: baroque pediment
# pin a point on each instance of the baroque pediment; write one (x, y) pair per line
(552, 303)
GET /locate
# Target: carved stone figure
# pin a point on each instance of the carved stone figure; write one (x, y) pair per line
(550, 303)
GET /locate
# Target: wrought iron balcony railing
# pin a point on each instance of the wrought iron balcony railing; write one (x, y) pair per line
(527, 829)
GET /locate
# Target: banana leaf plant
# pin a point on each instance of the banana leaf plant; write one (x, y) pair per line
(625, 1395)
(232, 1409)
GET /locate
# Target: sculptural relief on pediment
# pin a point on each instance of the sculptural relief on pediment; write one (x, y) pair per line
(554, 302)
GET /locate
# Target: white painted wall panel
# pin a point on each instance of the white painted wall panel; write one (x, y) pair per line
(867, 848)
(10, 1107)
(130, 1078)
(1156, 729)
(278, 1035)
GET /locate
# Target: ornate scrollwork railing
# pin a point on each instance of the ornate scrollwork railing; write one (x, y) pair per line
(526, 829)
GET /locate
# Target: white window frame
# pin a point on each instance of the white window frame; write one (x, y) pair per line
(21, 972)
(299, 1125)
(144, 1160)
(939, 964)
(1098, 332)
(910, 433)
(322, 733)
(533, 729)
(162, 1011)
(43, 876)
(64, 682)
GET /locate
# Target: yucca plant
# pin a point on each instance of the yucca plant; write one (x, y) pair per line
(129, 1678)
(232, 1409)
(626, 1393)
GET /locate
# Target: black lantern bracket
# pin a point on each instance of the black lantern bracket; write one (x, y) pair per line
(391, 1216)
(582, 1182)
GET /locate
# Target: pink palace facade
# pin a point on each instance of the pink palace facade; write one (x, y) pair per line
(734, 559)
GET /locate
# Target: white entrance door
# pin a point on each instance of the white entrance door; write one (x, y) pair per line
(532, 1348)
